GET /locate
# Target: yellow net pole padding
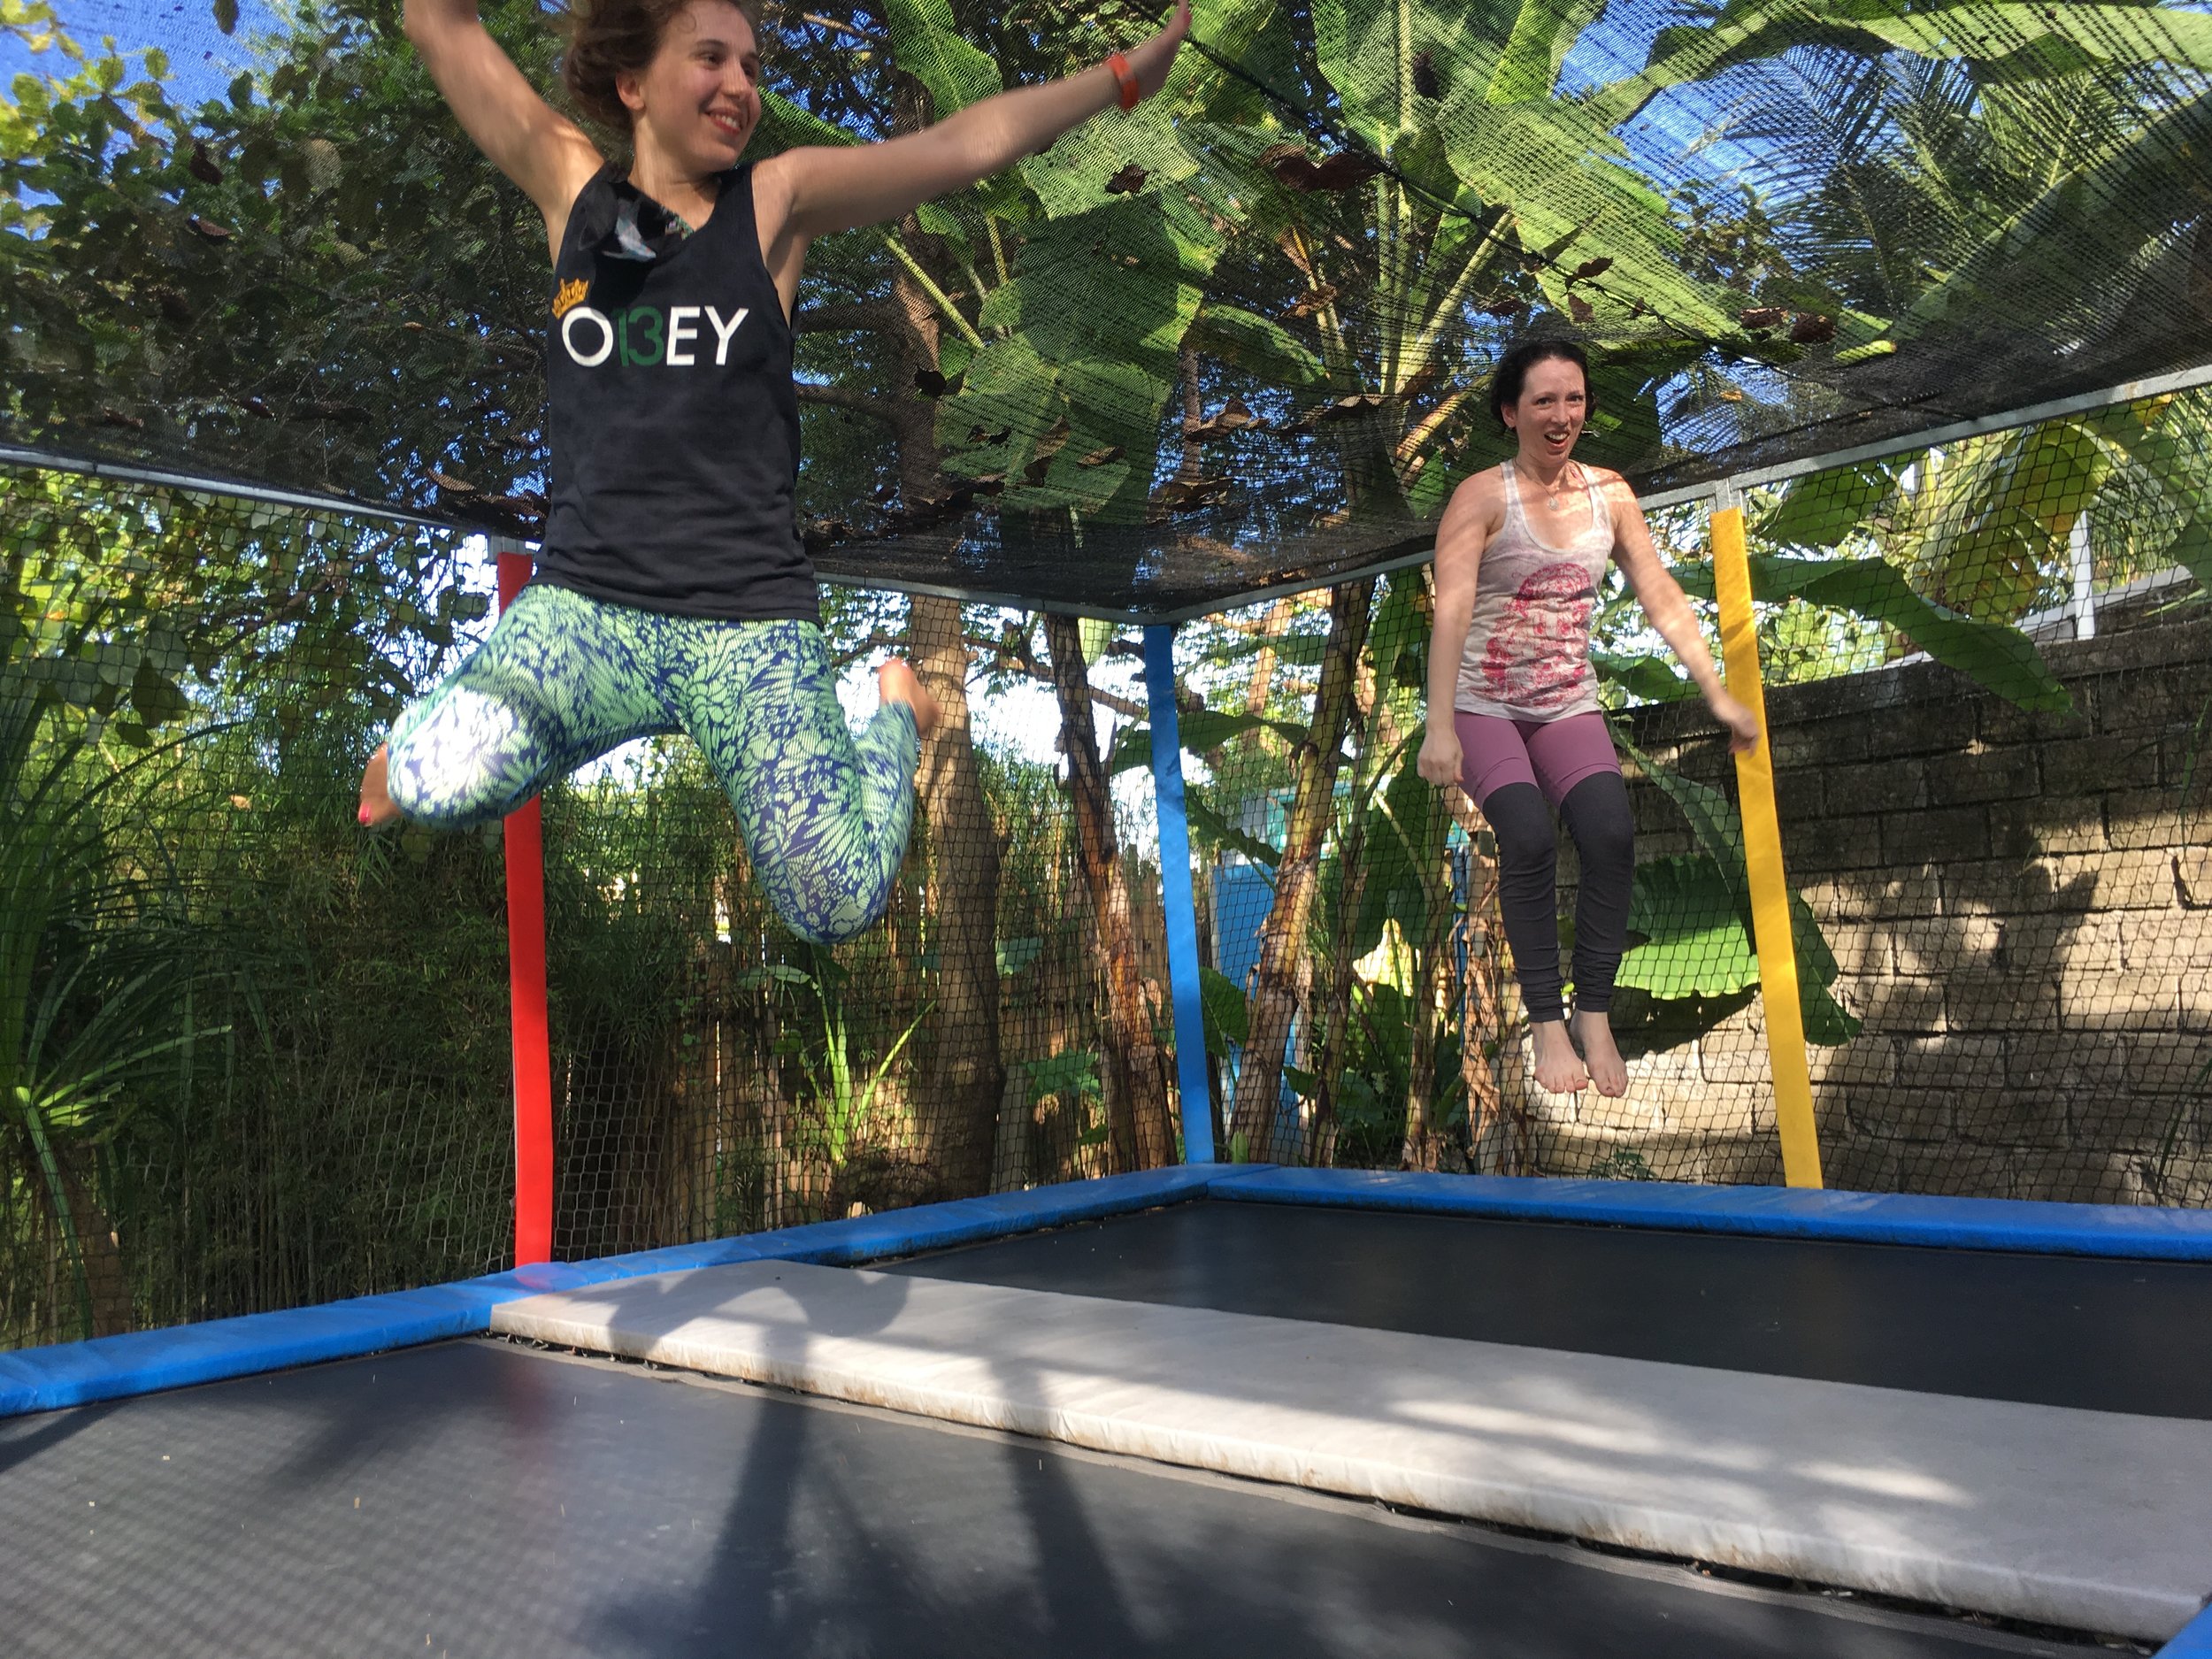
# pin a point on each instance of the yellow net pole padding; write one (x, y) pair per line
(1763, 860)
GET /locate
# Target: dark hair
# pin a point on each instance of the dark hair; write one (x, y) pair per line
(609, 38)
(1511, 374)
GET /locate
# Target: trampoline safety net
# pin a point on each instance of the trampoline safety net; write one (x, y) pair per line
(270, 338)
(1235, 339)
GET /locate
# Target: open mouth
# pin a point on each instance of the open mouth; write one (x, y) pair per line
(732, 127)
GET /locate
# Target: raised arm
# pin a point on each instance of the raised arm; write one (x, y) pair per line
(541, 149)
(831, 190)
(1669, 608)
(1476, 507)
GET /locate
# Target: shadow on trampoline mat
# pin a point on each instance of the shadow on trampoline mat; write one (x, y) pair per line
(1838, 1597)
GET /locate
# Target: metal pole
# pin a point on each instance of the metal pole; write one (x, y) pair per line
(1763, 860)
(525, 972)
(1178, 908)
(2085, 578)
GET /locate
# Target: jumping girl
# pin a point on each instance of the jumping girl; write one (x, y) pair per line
(672, 592)
(1513, 705)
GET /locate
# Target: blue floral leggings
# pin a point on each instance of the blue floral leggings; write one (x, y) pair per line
(563, 678)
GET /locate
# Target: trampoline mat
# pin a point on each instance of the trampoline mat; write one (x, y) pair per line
(479, 1498)
(2043, 1330)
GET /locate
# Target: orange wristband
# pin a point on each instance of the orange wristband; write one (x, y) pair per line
(1124, 78)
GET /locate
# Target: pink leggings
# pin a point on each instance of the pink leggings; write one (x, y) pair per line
(1553, 755)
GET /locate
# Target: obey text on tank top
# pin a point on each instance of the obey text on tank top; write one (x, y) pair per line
(673, 419)
(1528, 645)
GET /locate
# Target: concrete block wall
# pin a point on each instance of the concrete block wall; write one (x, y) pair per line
(2021, 905)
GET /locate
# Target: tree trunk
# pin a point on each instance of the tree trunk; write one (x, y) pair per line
(1263, 682)
(957, 1121)
(1141, 1129)
(1426, 1141)
(1334, 1018)
(106, 1283)
(1274, 995)
(956, 1117)
(1498, 1129)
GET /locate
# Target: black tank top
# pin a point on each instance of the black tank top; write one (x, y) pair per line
(674, 422)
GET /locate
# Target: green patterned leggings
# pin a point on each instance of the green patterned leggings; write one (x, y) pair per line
(563, 678)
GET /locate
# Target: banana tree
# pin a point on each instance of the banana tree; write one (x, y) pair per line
(1983, 529)
(1487, 193)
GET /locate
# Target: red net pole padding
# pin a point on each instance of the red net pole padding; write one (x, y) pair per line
(526, 967)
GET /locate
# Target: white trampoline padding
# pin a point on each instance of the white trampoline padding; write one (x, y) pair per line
(2091, 1519)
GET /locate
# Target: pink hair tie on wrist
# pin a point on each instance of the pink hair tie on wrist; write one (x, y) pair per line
(1124, 78)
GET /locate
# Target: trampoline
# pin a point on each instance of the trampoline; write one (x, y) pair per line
(1202, 1410)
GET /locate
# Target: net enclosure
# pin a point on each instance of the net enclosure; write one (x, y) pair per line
(1233, 342)
(1914, 285)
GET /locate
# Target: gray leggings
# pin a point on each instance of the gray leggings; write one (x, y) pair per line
(1596, 814)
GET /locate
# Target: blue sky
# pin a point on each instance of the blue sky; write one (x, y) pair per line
(201, 59)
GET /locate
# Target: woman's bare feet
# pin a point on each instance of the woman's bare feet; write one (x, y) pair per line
(1558, 1068)
(897, 682)
(1594, 1032)
(377, 807)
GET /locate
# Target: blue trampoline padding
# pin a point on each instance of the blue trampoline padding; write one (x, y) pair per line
(2139, 1232)
(143, 1361)
(2193, 1642)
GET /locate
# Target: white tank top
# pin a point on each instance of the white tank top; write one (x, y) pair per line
(1528, 647)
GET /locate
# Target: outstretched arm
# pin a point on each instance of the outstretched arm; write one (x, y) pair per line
(1669, 608)
(833, 189)
(541, 149)
(1461, 535)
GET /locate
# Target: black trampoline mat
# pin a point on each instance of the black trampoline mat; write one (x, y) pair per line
(479, 1498)
(2048, 1330)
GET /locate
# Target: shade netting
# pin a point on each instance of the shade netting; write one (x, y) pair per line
(1237, 339)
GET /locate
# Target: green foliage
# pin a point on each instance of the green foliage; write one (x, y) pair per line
(93, 989)
(1072, 1075)
(1370, 1098)
(843, 1089)
(1695, 916)
(1691, 937)
(1201, 731)
(1227, 1015)
(1984, 527)
(1993, 653)
(302, 330)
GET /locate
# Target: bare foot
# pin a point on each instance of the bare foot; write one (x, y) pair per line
(377, 807)
(897, 682)
(1594, 1032)
(1558, 1068)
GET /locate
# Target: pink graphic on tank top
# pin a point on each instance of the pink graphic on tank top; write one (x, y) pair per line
(1539, 656)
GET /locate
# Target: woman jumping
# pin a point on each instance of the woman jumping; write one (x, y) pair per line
(1513, 705)
(672, 592)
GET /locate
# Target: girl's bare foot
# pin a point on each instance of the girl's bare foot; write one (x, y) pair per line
(1594, 1032)
(377, 807)
(1558, 1068)
(897, 682)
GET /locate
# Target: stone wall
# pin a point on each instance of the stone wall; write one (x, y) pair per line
(2021, 905)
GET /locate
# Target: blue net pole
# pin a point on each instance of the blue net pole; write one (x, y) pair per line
(1175, 895)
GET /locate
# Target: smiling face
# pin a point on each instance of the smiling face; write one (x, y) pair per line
(1548, 418)
(699, 99)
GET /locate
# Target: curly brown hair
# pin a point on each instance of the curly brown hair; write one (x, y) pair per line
(608, 38)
